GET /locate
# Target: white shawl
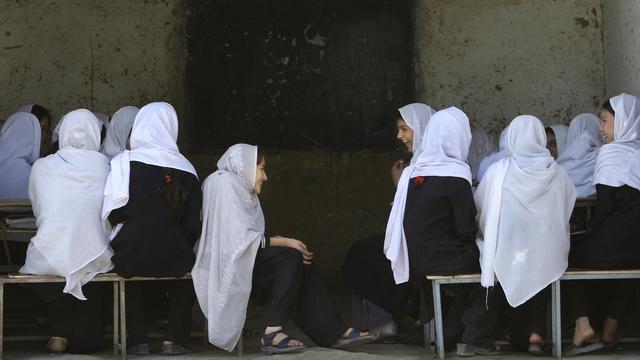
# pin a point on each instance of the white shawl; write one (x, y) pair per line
(524, 204)
(19, 149)
(561, 132)
(118, 131)
(579, 159)
(481, 146)
(495, 157)
(613, 165)
(66, 193)
(417, 116)
(443, 152)
(232, 230)
(153, 142)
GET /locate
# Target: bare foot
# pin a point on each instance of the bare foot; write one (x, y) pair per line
(349, 330)
(583, 331)
(536, 339)
(610, 328)
(57, 344)
(280, 336)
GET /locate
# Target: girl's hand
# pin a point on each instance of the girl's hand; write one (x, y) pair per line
(307, 255)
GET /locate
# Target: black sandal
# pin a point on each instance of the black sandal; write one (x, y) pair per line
(282, 347)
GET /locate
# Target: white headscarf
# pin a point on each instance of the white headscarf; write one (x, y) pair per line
(613, 165)
(560, 131)
(19, 149)
(443, 152)
(232, 230)
(481, 146)
(496, 156)
(26, 108)
(417, 116)
(153, 141)
(524, 204)
(118, 131)
(66, 192)
(55, 135)
(579, 159)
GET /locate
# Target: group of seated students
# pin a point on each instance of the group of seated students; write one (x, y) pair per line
(460, 208)
(134, 205)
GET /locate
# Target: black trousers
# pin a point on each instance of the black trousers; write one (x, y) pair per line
(297, 292)
(528, 318)
(473, 315)
(368, 273)
(181, 298)
(78, 321)
(610, 298)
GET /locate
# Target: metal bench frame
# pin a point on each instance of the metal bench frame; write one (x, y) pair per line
(556, 315)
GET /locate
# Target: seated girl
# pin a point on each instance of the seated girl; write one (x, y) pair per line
(118, 131)
(366, 269)
(556, 139)
(493, 157)
(579, 159)
(522, 242)
(613, 239)
(19, 149)
(153, 199)
(66, 191)
(235, 255)
(431, 229)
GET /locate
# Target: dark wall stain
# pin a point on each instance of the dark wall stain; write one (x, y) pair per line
(297, 74)
(581, 21)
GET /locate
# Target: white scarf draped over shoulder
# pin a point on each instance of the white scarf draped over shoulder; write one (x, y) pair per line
(524, 204)
(417, 116)
(232, 231)
(443, 152)
(66, 192)
(153, 141)
(19, 149)
(614, 165)
(579, 159)
(118, 131)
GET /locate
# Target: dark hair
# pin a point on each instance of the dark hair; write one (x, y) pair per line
(175, 191)
(261, 156)
(40, 112)
(549, 130)
(396, 115)
(607, 106)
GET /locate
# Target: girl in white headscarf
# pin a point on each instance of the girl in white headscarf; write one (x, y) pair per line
(556, 139)
(118, 131)
(613, 239)
(494, 157)
(522, 242)
(45, 120)
(71, 241)
(19, 149)
(366, 269)
(153, 199)
(234, 255)
(432, 226)
(579, 159)
(481, 146)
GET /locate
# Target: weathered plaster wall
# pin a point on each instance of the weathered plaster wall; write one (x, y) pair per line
(101, 55)
(500, 58)
(621, 21)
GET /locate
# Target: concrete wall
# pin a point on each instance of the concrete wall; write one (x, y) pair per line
(65, 54)
(500, 58)
(621, 20)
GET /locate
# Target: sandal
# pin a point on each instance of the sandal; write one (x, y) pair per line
(282, 347)
(574, 350)
(354, 338)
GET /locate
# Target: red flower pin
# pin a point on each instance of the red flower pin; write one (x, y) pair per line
(419, 181)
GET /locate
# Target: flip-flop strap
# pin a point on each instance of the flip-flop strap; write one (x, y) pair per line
(267, 340)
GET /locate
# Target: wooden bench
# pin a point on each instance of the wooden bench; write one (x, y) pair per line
(119, 304)
(556, 315)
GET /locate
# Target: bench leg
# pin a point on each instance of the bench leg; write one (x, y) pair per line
(1, 319)
(116, 325)
(123, 321)
(556, 319)
(437, 305)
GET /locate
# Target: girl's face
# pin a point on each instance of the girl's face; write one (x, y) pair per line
(261, 176)
(606, 125)
(405, 134)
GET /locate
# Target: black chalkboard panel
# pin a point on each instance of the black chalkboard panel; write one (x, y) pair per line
(297, 74)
